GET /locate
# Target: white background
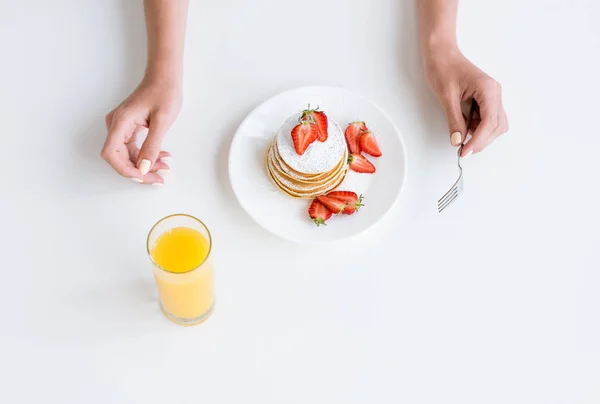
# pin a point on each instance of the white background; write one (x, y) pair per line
(495, 301)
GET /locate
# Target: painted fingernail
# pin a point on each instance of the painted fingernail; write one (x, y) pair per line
(455, 138)
(166, 159)
(157, 184)
(145, 166)
(137, 180)
(163, 172)
(468, 154)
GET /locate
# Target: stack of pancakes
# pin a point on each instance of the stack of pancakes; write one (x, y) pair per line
(320, 169)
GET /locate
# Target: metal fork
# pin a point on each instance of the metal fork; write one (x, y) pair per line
(458, 186)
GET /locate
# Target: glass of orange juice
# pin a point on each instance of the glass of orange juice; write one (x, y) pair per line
(179, 248)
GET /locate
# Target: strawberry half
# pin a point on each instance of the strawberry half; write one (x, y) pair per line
(353, 201)
(360, 164)
(333, 204)
(319, 213)
(318, 118)
(303, 135)
(369, 145)
(353, 132)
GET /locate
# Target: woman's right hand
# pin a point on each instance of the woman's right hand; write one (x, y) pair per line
(153, 105)
(456, 80)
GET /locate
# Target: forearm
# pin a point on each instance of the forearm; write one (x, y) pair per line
(437, 25)
(165, 26)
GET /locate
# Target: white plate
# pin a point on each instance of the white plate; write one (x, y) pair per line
(288, 217)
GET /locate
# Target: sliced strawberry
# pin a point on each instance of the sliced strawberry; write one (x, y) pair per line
(333, 204)
(319, 213)
(303, 135)
(318, 118)
(353, 201)
(353, 132)
(360, 164)
(369, 145)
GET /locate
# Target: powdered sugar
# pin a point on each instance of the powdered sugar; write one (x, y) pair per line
(319, 157)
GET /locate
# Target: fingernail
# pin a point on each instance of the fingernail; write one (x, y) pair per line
(157, 184)
(145, 166)
(137, 180)
(455, 138)
(468, 154)
(166, 159)
(163, 172)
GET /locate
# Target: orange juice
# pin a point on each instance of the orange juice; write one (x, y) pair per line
(184, 274)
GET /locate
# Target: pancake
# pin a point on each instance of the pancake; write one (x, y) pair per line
(303, 187)
(289, 174)
(294, 193)
(320, 157)
(322, 168)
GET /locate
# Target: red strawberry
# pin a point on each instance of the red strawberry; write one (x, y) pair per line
(353, 132)
(360, 164)
(353, 201)
(369, 145)
(333, 204)
(319, 213)
(318, 118)
(303, 135)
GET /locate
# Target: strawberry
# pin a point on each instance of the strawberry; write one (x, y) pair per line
(368, 144)
(333, 204)
(319, 213)
(353, 132)
(353, 201)
(303, 135)
(318, 118)
(360, 164)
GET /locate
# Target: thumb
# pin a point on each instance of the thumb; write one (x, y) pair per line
(151, 147)
(456, 123)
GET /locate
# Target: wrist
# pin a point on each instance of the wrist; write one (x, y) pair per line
(438, 44)
(443, 52)
(163, 72)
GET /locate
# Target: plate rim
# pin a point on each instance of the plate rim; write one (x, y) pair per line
(396, 198)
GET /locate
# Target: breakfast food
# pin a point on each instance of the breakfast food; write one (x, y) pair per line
(319, 213)
(368, 144)
(319, 119)
(360, 139)
(308, 156)
(360, 164)
(352, 133)
(336, 202)
(353, 201)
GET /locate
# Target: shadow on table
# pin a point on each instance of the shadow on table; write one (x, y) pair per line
(87, 173)
(413, 80)
(121, 308)
(222, 172)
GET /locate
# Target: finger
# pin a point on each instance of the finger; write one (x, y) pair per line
(114, 151)
(154, 179)
(151, 147)
(456, 123)
(488, 110)
(159, 166)
(501, 128)
(108, 119)
(164, 156)
(134, 152)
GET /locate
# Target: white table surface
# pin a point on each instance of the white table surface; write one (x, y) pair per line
(495, 301)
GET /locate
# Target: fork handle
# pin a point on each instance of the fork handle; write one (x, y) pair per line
(469, 119)
(474, 106)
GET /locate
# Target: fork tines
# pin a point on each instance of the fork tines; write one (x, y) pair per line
(457, 188)
(451, 195)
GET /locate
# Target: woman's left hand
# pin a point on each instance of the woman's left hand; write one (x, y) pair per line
(455, 79)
